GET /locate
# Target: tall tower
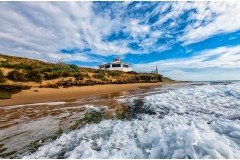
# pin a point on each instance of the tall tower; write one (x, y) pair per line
(156, 70)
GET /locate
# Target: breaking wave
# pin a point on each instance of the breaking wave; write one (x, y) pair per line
(189, 122)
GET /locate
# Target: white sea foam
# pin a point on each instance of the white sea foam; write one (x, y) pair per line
(200, 122)
(92, 108)
(209, 102)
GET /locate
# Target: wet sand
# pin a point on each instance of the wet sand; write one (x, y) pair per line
(65, 94)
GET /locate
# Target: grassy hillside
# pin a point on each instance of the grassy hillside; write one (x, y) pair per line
(18, 71)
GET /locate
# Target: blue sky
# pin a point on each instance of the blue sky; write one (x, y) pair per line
(185, 40)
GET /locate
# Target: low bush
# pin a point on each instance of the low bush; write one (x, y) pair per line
(114, 73)
(145, 78)
(101, 72)
(6, 91)
(24, 66)
(159, 78)
(34, 75)
(85, 75)
(1, 77)
(16, 75)
(136, 78)
(66, 74)
(78, 76)
(74, 67)
(46, 69)
(6, 64)
(61, 67)
(99, 76)
(132, 72)
(53, 75)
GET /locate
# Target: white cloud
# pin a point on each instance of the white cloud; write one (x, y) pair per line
(221, 17)
(126, 3)
(137, 29)
(225, 58)
(209, 18)
(40, 29)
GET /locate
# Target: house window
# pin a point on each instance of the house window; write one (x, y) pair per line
(126, 66)
(116, 65)
(107, 66)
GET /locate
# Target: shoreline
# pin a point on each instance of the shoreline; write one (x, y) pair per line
(63, 94)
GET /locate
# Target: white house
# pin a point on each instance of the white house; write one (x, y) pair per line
(116, 65)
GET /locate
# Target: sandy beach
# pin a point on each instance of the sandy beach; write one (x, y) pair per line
(61, 94)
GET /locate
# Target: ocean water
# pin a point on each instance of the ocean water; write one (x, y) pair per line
(192, 121)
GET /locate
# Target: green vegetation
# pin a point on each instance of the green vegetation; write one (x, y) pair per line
(52, 75)
(1, 77)
(34, 75)
(16, 66)
(74, 67)
(100, 75)
(16, 75)
(34, 70)
(6, 64)
(114, 73)
(6, 91)
(78, 76)
(85, 75)
(30, 75)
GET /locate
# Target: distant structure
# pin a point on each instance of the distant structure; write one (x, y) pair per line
(116, 65)
(155, 71)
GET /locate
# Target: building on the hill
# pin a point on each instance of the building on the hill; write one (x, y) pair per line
(155, 71)
(116, 65)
